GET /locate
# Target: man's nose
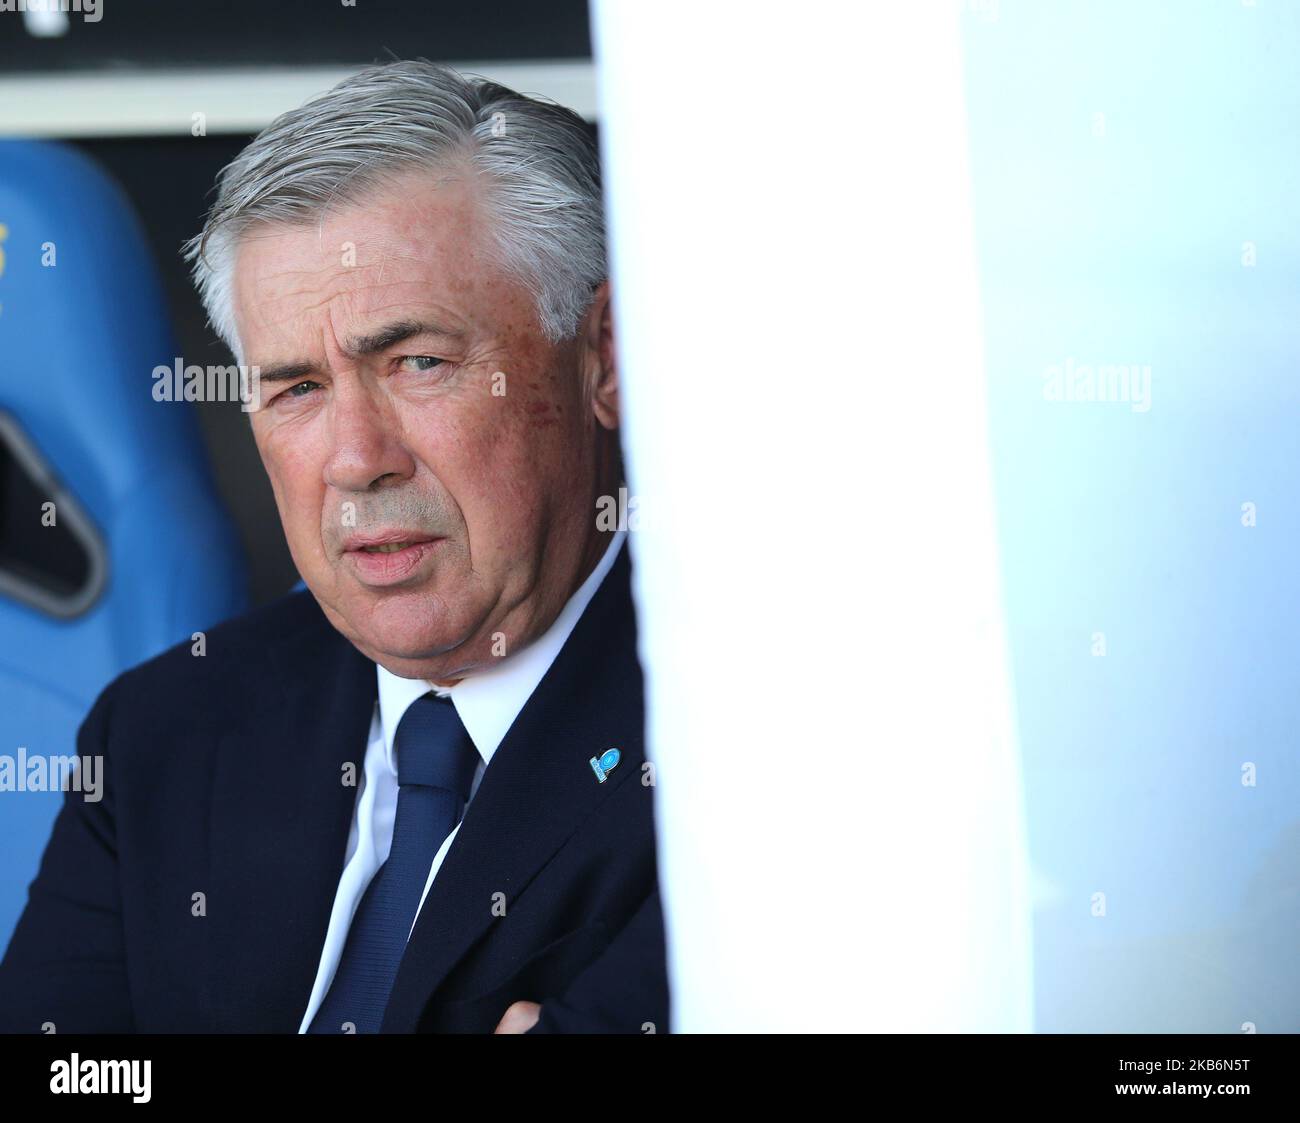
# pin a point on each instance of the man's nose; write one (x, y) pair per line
(366, 442)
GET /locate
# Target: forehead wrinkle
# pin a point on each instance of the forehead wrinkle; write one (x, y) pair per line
(387, 254)
(298, 324)
(385, 296)
(385, 289)
(322, 303)
(307, 276)
(414, 306)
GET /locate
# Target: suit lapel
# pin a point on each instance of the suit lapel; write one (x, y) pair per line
(280, 819)
(536, 793)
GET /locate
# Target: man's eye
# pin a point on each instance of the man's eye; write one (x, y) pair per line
(298, 391)
(420, 362)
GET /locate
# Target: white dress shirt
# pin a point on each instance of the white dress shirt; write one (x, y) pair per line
(487, 703)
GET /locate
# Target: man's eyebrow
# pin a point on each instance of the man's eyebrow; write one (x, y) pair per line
(371, 344)
(394, 333)
(285, 372)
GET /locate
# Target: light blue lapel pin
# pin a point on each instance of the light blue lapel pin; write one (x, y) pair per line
(606, 764)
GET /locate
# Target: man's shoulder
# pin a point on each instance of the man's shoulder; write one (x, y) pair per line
(213, 668)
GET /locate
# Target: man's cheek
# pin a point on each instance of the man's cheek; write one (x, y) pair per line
(301, 518)
(289, 509)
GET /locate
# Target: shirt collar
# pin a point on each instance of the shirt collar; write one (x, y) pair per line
(488, 701)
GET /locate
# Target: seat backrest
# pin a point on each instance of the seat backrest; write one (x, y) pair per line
(113, 543)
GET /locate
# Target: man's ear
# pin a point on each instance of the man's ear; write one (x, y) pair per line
(599, 357)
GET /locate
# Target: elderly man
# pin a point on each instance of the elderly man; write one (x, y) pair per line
(412, 798)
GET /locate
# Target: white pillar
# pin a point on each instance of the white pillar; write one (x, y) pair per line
(841, 837)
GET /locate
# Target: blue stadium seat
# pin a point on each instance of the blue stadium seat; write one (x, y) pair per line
(141, 553)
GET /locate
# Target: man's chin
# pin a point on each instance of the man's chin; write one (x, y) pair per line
(408, 647)
(411, 656)
(436, 650)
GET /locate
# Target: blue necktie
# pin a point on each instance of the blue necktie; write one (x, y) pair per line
(435, 767)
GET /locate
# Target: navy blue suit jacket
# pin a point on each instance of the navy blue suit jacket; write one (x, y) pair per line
(195, 896)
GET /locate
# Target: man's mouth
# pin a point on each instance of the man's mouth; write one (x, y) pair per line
(390, 557)
(385, 541)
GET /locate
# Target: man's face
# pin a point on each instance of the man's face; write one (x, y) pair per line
(435, 460)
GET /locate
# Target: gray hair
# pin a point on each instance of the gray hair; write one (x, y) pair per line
(536, 159)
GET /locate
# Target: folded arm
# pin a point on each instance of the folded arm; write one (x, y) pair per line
(624, 990)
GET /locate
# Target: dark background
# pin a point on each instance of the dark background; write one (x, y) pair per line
(166, 34)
